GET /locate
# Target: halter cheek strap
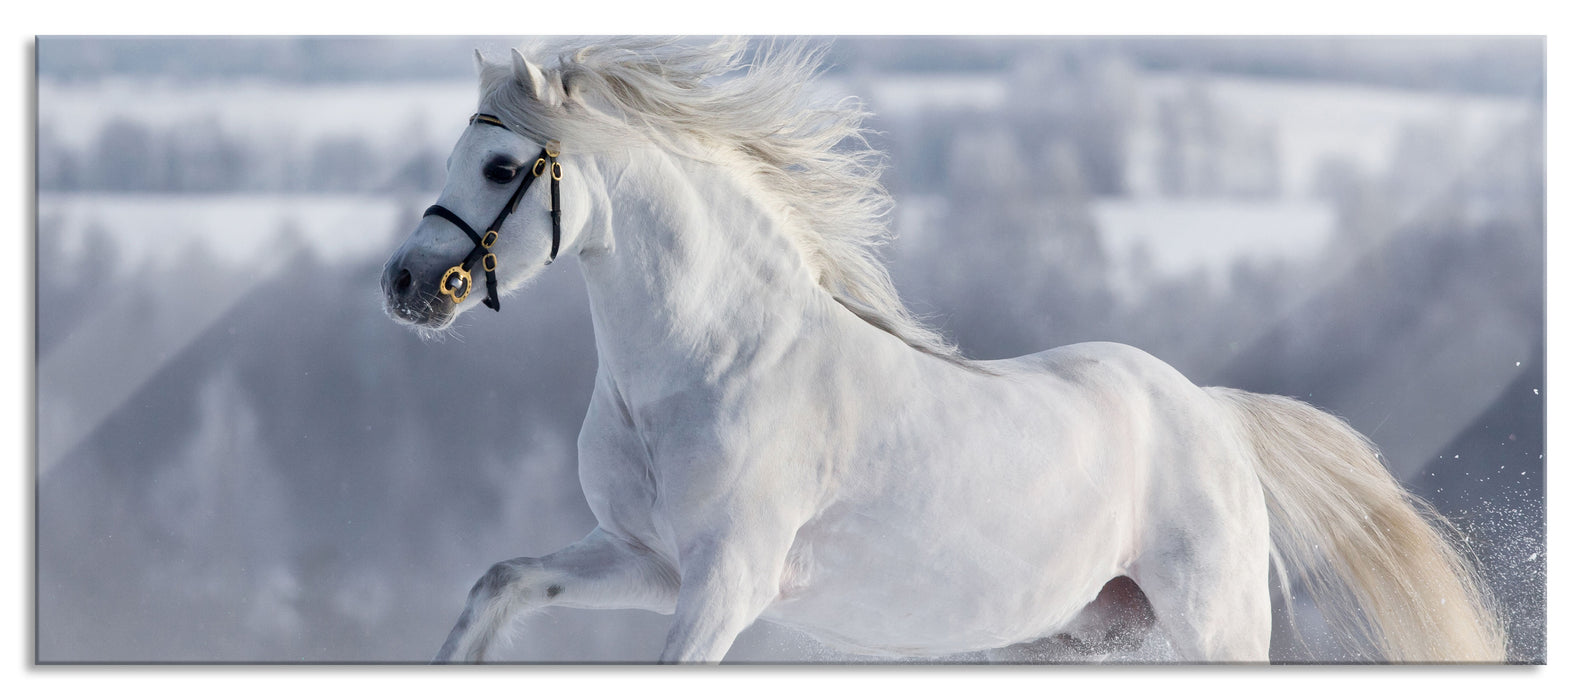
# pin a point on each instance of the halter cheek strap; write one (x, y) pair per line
(457, 281)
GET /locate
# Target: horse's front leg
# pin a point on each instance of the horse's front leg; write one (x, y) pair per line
(601, 571)
(726, 582)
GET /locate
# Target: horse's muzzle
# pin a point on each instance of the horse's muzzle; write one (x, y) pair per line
(413, 295)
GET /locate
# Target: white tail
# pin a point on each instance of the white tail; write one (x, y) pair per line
(1376, 559)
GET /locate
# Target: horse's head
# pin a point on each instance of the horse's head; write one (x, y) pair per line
(512, 203)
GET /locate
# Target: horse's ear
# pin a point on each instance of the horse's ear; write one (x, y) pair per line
(477, 61)
(528, 74)
(568, 86)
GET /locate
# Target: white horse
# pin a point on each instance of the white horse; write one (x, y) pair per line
(772, 435)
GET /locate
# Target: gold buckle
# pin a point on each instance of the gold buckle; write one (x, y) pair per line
(538, 167)
(488, 261)
(460, 293)
(554, 170)
(490, 237)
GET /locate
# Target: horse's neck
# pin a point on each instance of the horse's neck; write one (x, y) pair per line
(698, 282)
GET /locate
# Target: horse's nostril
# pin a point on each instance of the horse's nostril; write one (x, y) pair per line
(403, 282)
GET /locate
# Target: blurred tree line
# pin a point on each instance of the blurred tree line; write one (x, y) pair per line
(201, 156)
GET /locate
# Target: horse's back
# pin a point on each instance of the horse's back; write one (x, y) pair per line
(1176, 419)
(1098, 364)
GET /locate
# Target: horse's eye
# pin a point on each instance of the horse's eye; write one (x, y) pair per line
(500, 172)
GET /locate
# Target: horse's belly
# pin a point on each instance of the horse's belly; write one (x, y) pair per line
(952, 583)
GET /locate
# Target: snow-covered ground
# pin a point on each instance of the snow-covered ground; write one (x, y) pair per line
(1183, 236)
(1359, 124)
(159, 230)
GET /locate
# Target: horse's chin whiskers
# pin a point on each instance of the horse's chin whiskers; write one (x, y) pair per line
(420, 314)
(430, 334)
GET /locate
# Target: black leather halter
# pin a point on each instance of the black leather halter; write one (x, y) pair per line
(457, 282)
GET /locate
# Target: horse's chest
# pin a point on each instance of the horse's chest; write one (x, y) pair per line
(615, 468)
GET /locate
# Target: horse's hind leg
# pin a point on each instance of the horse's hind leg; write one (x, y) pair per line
(1116, 621)
(1210, 595)
(601, 571)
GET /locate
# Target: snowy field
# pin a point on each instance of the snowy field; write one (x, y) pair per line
(235, 230)
(1315, 122)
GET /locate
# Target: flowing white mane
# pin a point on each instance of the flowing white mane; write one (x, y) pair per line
(814, 157)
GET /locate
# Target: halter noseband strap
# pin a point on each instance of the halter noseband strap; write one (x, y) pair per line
(457, 281)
